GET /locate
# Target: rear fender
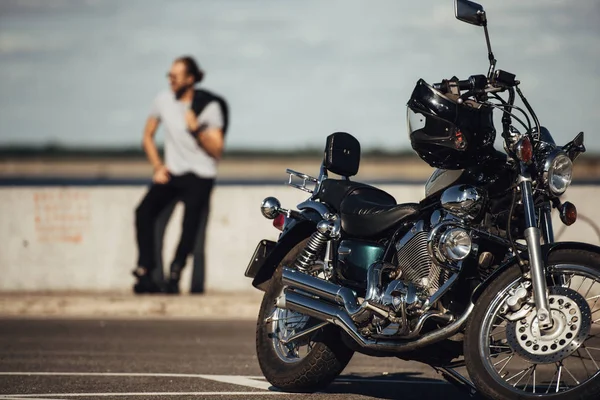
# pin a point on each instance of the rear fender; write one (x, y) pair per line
(547, 250)
(295, 232)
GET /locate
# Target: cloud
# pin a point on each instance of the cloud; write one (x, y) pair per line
(24, 42)
(302, 67)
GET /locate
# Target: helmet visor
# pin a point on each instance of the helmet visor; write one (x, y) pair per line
(424, 127)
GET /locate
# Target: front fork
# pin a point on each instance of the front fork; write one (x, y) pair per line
(534, 246)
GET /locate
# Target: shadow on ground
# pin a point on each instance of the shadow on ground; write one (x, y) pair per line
(405, 386)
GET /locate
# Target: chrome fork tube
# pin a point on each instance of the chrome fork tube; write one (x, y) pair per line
(534, 247)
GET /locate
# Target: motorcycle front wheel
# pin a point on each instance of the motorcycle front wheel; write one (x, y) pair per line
(303, 365)
(509, 357)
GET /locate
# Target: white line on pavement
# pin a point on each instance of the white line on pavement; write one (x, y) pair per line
(20, 397)
(37, 396)
(257, 382)
(240, 380)
(138, 374)
(249, 381)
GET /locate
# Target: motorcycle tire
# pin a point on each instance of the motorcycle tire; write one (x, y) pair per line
(325, 361)
(489, 385)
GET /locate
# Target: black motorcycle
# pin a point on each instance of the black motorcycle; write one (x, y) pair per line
(469, 275)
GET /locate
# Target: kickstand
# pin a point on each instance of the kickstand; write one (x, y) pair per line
(457, 380)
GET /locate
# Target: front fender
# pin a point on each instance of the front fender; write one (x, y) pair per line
(547, 249)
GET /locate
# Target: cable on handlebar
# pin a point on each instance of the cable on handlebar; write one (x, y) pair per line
(535, 118)
(502, 108)
(506, 105)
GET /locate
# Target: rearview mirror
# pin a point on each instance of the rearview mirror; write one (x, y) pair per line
(469, 12)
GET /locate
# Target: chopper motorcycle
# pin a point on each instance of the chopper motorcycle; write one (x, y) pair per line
(469, 275)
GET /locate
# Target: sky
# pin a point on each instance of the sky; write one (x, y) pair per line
(85, 72)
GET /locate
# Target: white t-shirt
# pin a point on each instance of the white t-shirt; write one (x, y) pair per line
(183, 154)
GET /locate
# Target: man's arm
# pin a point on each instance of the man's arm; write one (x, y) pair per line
(161, 175)
(209, 133)
(212, 142)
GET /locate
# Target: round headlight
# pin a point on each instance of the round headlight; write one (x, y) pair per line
(559, 173)
(455, 244)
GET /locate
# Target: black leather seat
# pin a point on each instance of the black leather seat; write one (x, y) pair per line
(333, 191)
(367, 211)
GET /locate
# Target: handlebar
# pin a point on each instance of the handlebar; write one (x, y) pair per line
(466, 85)
(480, 87)
(474, 83)
(477, 83)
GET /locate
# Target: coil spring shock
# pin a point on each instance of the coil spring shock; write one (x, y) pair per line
(312, 249)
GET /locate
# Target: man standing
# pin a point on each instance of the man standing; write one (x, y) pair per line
(195, 122)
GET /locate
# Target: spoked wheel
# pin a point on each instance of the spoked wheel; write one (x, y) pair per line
(509, 356)
(307, 363)
(284, 324)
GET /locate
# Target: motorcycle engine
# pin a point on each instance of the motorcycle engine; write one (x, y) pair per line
(415, 262)
(416, 277)
(425, 257)
(447, 242)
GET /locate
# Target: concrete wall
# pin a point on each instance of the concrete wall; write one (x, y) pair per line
(82, 238)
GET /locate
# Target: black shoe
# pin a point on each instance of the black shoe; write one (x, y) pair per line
(172, 285)
(145, 283)
(197, 290)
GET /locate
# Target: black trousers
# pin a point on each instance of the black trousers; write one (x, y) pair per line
(194, 192)
(198, 254)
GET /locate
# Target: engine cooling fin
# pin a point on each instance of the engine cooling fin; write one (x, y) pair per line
(415, 262)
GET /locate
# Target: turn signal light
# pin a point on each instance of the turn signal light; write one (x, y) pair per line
(279, 222)
(568, 213)
(524, 150)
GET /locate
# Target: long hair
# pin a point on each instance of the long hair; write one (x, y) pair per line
(191, 66)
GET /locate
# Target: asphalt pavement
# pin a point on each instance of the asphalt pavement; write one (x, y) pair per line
(169, 358)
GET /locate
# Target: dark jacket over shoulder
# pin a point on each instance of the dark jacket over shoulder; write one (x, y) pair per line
(203, 97)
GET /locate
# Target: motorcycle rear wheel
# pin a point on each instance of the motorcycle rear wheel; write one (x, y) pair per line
(296, 367)
(515, 360)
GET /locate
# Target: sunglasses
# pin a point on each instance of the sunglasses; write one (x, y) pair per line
(174, 77)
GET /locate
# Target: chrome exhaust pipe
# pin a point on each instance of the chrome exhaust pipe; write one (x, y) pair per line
(334, 314)
(321, 310)
(359, 312)
(323, 289)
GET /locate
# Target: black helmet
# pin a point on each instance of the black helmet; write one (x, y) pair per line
(447, 134)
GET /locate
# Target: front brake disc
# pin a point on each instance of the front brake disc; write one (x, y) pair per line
(571, 316)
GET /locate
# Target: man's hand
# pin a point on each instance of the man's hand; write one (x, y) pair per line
(191, 121)
(161, 175)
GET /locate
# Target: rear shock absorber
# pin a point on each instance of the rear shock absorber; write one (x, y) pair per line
(327, 229)
(311, 251)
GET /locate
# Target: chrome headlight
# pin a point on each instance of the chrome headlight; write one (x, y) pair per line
(455, 244)
(558, 172)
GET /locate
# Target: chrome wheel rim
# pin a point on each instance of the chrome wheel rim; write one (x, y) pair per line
(526, 361)
(283, 324)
